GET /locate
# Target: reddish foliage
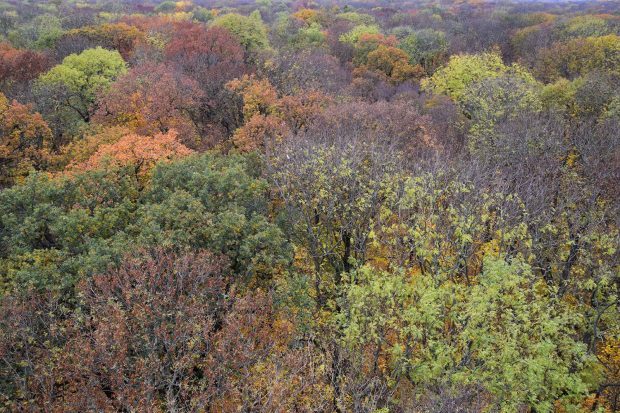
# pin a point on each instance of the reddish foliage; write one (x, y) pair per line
(162, 332)
(270, 118)
(20, 65)
(396, 124)
(153, 98)
(151, 323)
(299, 110)
(212, 55)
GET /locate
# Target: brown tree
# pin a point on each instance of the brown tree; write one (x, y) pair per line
(151, 99)
(25, 141)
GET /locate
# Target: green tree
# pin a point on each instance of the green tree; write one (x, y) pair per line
(353, 35)
(40, 33)
(55, 231)
(504, 336)
(425, 47)
(214, 202)
(585, 26)
(68, 91)
(166, 7)
(79, 78)
(307, 37)
(250, 31)
(463, 70)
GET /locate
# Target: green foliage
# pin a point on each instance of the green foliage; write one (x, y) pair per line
(41, 33)
(355, 33)
(585, 26)
(506, 334)
(487, 91)
(203, 14)
(250, 31)
(213, 202)
(87, 72)
(166, 6)
(307, 37)
(54, 232)
(357, 18)
(579, 56)
(74, 84)
(425, 47)
(524, 338)
(464, 70)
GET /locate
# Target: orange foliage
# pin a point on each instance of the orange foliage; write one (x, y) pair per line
(270, 118)
(260, 132)
(308, 16)
(298, 110)
(369, 42)
(81, 150)
(25, 140)
(259, 96)
(609, 356)
(393, 63)
(142, 152)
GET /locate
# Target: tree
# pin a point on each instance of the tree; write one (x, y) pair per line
(369, 42)
(31, 329)
(80, 150)
(68, 91)
(128, 354)
(309, 70)
(259, 96)
(18, 65)
(578, 57)
(138, 152)
(250, 31)
(166, 7)
(268, 118)
(219, 203)
(501, 337)
(53, 232)
(487, 91)
(199, 343)
(309, 37)
(260, 132)
(494, 100)
(426, 47)
(25, 141)
(153, 99)
(585, 26)
(215, 51)
(113, 36)
(393, 63)
(356, 32)
(41, 32)
(212, 57)
(463, 70)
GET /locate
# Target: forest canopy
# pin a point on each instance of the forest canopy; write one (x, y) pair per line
(310, 206)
